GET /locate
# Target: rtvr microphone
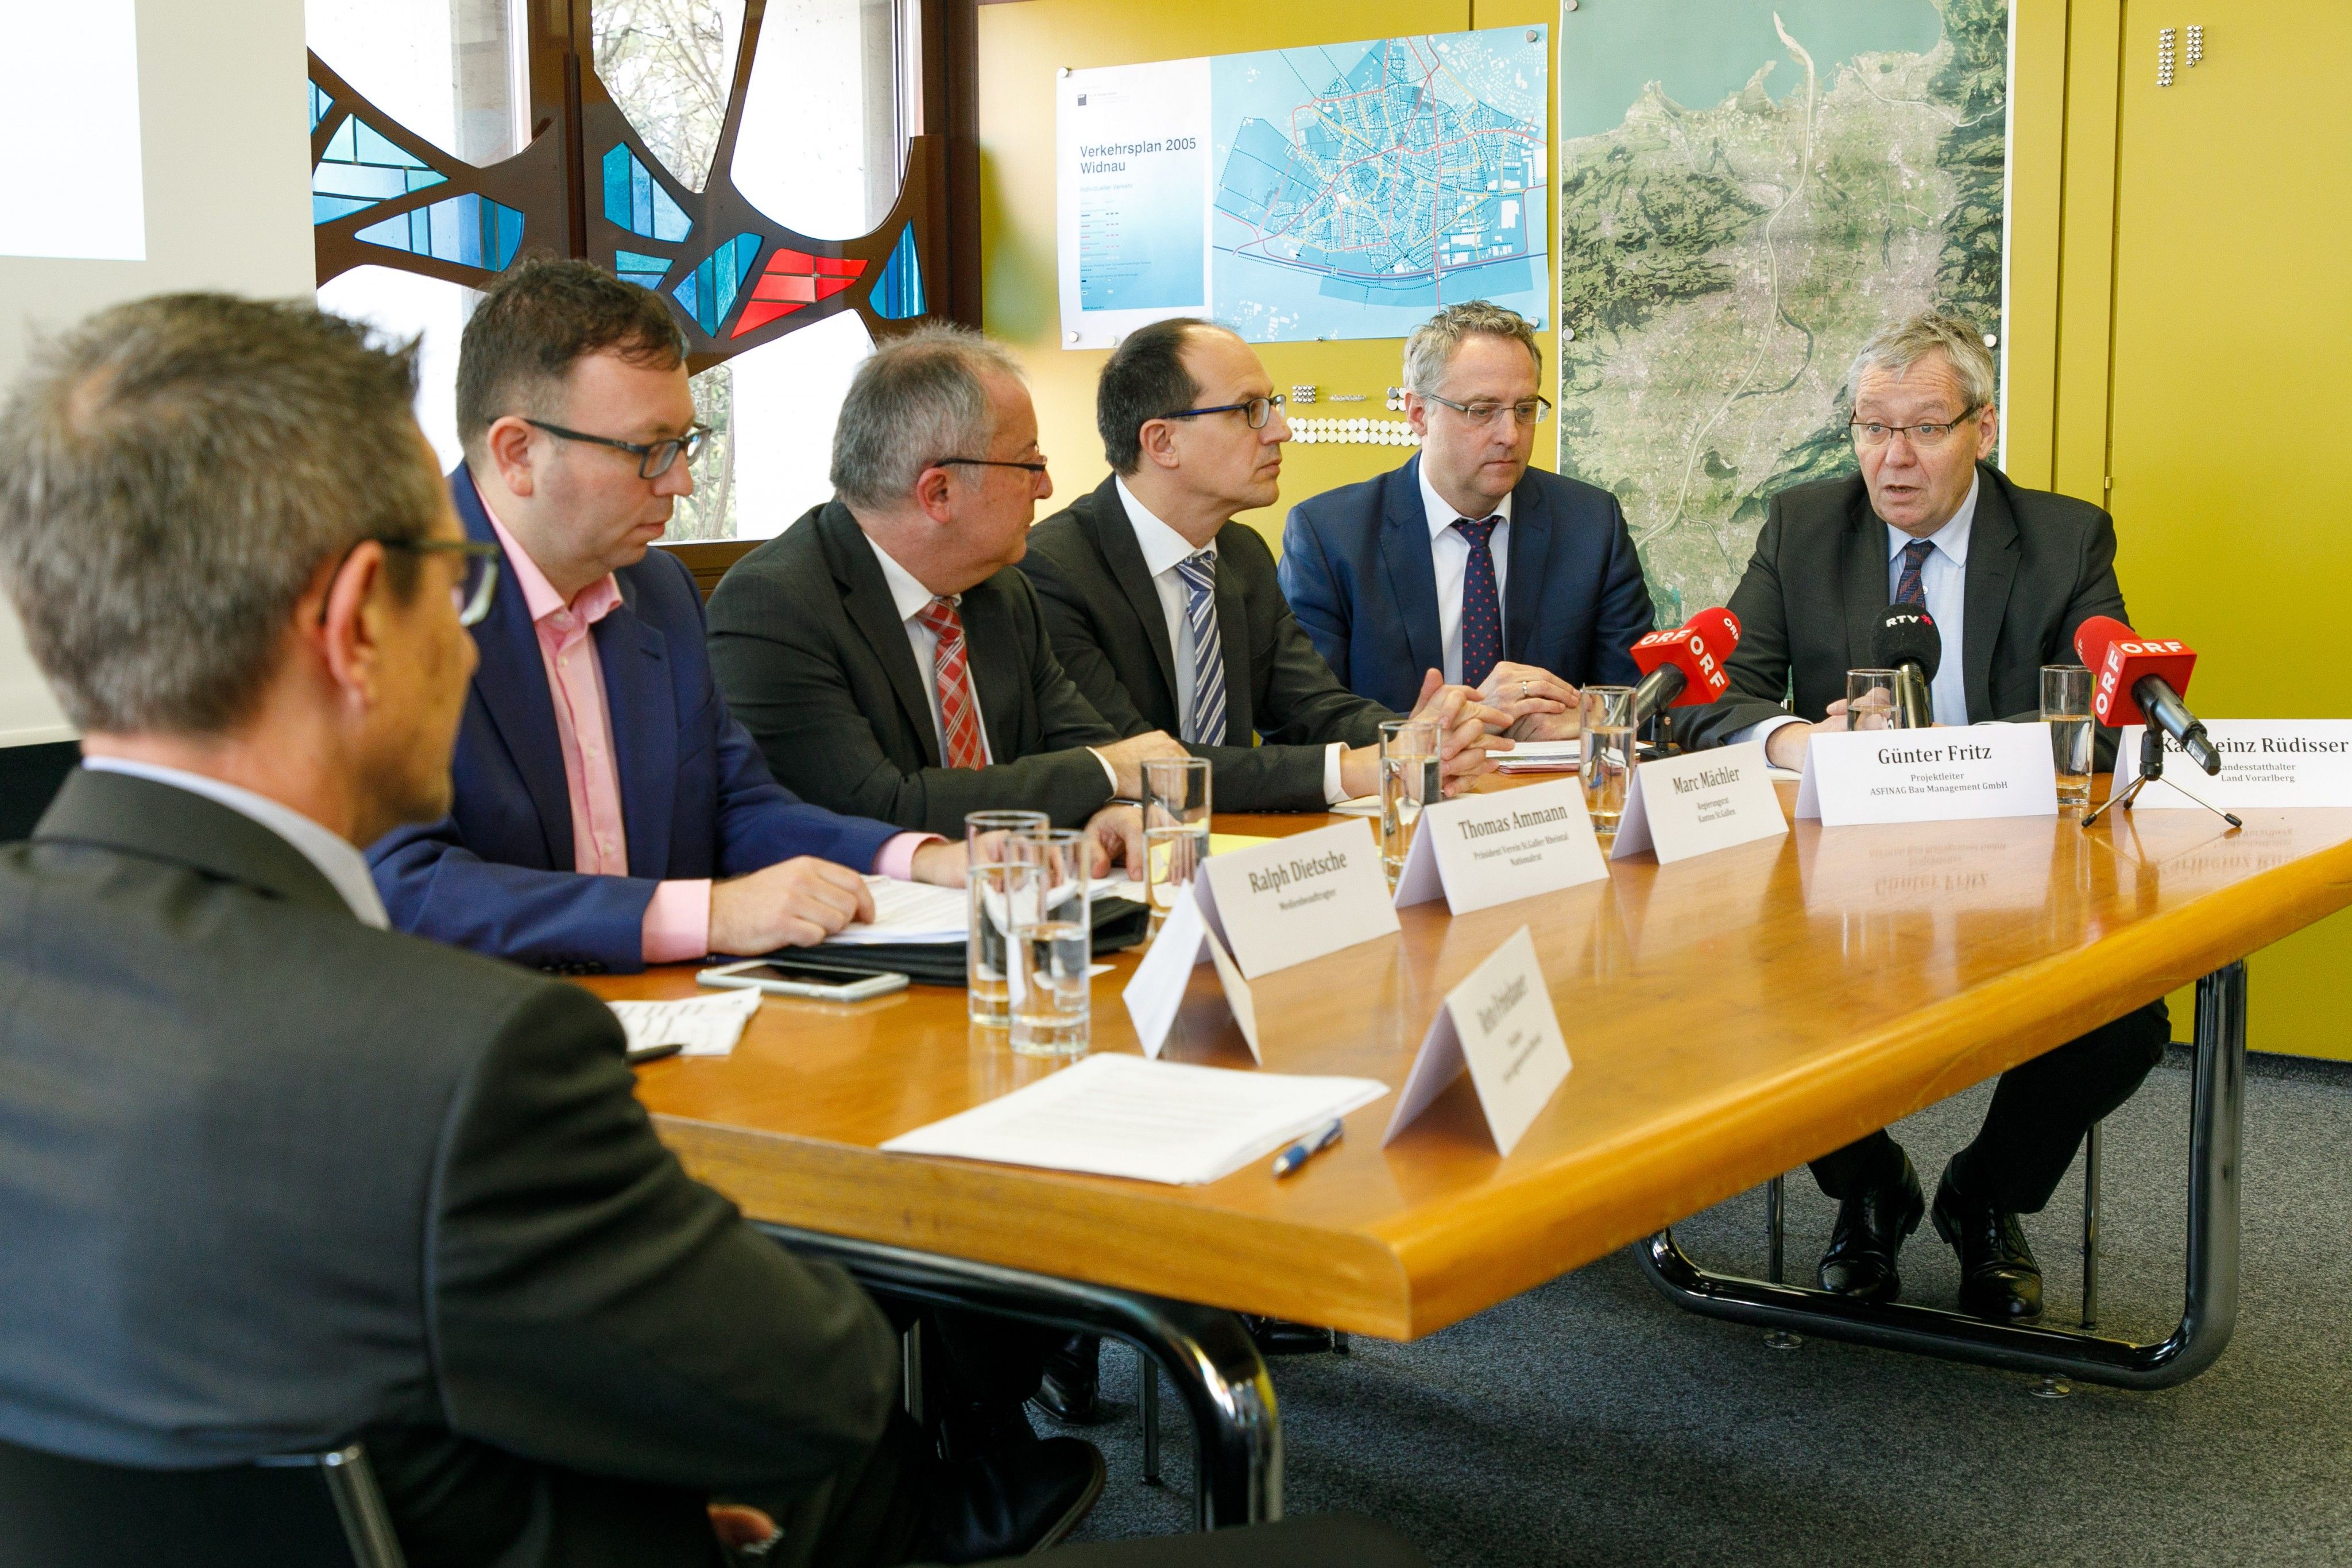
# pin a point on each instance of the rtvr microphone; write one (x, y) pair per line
(1907, 643)
(1682, 666)
(2136, 680)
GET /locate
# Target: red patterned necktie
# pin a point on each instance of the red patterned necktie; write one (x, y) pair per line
(959, 718)
(1908, 589)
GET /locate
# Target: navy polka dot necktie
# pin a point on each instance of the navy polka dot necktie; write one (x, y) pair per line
(1482, 606)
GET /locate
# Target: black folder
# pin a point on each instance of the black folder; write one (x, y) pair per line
(1119, 924)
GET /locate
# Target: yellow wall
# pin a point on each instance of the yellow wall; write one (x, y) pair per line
(1020, 48)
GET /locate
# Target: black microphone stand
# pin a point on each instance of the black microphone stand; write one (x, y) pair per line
(2151, 771)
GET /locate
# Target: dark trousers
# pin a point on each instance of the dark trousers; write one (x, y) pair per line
(2041, 1109)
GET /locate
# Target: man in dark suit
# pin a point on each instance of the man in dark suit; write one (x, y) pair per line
(610, 812)
(273, 1177)
(883, 651)
(2007, 574)
(1520, 584)
(1167, 613)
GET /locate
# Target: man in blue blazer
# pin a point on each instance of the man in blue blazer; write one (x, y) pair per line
(1516, 583)
(609, 811)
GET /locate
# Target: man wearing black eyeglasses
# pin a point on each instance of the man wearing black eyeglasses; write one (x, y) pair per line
(609, 813)
(1518, 583)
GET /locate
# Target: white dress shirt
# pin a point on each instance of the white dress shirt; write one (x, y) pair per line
(1164, 549)
(1944, 578)
(343, 866)
(909, 597)
(1449, 558)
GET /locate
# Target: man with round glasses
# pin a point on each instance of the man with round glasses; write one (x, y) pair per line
(1520, 584)
(2007, 574)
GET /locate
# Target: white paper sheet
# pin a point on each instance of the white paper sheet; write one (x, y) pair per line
(1149, 1121)
(704, 1026)
(1541, 756)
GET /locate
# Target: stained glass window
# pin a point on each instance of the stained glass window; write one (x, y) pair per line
(636, 200)
(361, 167)
(320, 104)
(469, 230)
(899, 294)
(635, 267)
(794, 280)
(708, 293)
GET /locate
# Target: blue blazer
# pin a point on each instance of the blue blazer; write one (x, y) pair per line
(696, 801)
(1355, 570)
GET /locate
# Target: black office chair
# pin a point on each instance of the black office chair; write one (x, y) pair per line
(300, 1511)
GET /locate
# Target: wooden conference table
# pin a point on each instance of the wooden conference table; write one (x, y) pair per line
(1730, 1018)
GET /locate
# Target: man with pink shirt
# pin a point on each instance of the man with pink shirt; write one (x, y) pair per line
(610, 812)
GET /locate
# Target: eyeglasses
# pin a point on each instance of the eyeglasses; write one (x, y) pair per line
(477, 579)
(1534, 410)
(1869, 433)
(1036, 467)
(1258, 411)
(654, 459)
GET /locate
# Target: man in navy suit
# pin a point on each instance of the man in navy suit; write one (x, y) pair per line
(610, 812)
(1520, 584)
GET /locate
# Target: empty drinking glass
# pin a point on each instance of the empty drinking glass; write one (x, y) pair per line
(1870, 699)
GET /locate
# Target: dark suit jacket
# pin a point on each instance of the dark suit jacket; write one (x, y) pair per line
(810, 653)
(270, 1180)
(2038, 566)
(496, 874)
(1356, 566)
(1111, 635)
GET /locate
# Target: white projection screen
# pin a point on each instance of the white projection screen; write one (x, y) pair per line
(72, 66)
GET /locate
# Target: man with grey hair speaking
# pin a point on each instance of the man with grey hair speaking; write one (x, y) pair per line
(2007, 574)
(883, 651)
(1520, 584)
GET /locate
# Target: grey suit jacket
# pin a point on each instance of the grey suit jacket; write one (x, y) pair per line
(270, 1180)
(2038, 566)
(812, 656)
(1111, 635)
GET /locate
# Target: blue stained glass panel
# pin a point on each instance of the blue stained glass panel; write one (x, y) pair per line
(636, 200)
(638, 261)
(320, 104)
(359, 167)
(467, 230)
(708, 293)
(899, 293)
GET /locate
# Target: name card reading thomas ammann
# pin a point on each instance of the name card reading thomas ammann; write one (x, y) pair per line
(1484, 850)
(1298, 898)
(1929, 775)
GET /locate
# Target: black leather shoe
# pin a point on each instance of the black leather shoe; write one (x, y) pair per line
(1999, 1278)
(1280, 1336)
(1070, 1391)
(1012, 1501)
(1870, 1231)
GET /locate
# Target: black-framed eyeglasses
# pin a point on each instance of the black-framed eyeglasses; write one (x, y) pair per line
(1482, 412)
(1036, 467)
(654, 458)
(1258, 411)
(477, 584)
(1871, 433)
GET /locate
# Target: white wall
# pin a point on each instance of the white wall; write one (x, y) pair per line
(224, 134)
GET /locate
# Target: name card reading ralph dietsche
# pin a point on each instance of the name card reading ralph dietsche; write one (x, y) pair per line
(1685, 806)
(1937, 775)
(2265, 762)
(1298, 898)
(1484, 850)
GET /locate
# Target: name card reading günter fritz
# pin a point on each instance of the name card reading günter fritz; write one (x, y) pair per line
(1484, 850)
(1939, 775)
(1685, 806)
(1498, 1023)
(1298, 898)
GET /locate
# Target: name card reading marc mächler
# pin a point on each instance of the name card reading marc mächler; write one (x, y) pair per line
(1685, 806)
(1484, 850)
(1938, 775)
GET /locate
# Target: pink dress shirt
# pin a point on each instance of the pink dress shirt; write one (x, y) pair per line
(678, 920)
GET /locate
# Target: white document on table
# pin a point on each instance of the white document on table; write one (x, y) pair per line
(909, 912)
(701, 1026)
(1541, 756)
(1120, 1115)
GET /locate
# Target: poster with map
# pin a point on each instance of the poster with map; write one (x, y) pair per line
(1747, 190)
(1345, 190)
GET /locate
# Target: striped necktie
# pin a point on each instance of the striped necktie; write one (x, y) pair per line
(1482, 606)
(1909, 590)
(958, 714)
(1206, 727)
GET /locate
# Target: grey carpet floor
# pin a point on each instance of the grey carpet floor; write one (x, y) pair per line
(1591, 1421)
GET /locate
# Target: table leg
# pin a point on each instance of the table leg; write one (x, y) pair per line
(1205, 1352)
(2210, 1306)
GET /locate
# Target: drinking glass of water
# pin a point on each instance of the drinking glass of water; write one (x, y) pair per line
(1870, 699)
(2067, 706)
(987, 837)
(1052, 945)
(1411, 779)
(1175, 830)
(1608, 714)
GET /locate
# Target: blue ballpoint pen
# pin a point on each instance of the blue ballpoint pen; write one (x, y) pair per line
(1299, 1153)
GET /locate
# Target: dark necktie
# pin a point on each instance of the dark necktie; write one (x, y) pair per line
(1907, 588)
(1481, 607)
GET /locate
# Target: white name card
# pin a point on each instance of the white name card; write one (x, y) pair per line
(1484, 850)
(1499, 1024)
(1685, 806)
(1929, 775)
(1293, 899)
(2265, 762)
(1155, 992)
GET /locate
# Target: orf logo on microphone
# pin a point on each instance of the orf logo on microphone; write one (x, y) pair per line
(1708, 670)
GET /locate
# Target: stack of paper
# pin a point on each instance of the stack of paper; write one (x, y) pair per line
(1541, 756)
(702, 1026)
(909, 912)
(1150, 1121)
